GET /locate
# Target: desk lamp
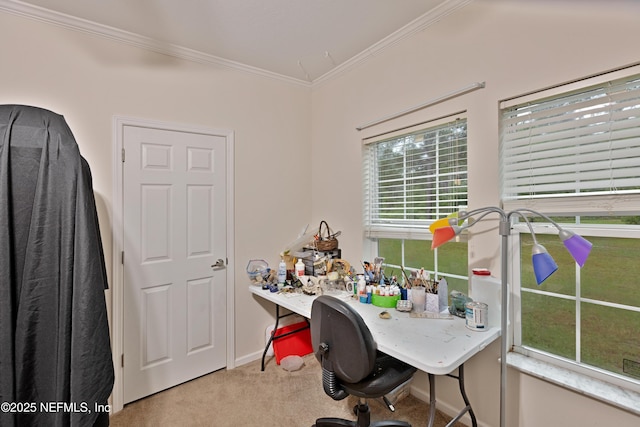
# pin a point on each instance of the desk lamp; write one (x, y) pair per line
(544, 266)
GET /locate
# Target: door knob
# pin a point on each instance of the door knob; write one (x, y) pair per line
(219, 264)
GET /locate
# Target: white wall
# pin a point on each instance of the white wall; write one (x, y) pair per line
(89, 79)
(516, 47)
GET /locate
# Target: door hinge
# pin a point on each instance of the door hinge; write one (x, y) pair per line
(122, 257)
(123, 155)
(122, 360)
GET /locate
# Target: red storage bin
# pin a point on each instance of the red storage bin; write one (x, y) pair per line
(296, 344)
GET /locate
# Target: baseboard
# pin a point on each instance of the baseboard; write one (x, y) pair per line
(249, 358)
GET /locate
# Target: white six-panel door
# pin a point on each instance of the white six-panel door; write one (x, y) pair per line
(174, 258)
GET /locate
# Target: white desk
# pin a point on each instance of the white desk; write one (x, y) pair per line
(434, 346)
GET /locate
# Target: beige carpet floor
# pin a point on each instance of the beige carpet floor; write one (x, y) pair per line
(247, 397)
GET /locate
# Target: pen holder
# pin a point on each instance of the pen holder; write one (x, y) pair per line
(432, 303)
(418, 298)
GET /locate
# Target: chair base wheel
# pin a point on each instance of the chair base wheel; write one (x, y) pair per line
(339, 422)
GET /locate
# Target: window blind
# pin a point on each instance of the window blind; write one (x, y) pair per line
(411, 180)
(582, 143)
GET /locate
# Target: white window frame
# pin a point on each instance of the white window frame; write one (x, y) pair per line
(418, 230)
(579, 203)
(585, 231)
(616, 389)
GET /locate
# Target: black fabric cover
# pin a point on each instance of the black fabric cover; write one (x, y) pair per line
(54, 334)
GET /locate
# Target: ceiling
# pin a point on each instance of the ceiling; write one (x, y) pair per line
(302, 40)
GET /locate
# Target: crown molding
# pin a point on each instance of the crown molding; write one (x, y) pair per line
(37, 13)
(417, 25)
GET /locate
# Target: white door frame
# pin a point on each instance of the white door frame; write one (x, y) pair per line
(117, 230)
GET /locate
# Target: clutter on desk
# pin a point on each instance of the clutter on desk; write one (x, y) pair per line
(317, 263)
(310, 285)
(384, 315)
(458, 303)
(373, 271)
(311, 254)
(404, 305)
(282, 272)
(290, 254)
(419, 298)
(299, 268)
(476, 316)
(374, 288)
(389, 301)
(313, 265)
(258, 271)
(430, 315)
(487, 289)
(325, 239)
(426, 294)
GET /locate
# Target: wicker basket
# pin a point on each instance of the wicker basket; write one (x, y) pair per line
(327, 241)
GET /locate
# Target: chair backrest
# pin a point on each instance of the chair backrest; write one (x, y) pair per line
(336, 326)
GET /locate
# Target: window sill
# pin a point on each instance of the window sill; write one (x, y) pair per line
(617, 396)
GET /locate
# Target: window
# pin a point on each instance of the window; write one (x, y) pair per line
(588, 316)
(573, 153)
(411, 179)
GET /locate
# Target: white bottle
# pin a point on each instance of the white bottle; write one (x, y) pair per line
(299, 268)
(362, 285)
(282, 272)
(487, 289)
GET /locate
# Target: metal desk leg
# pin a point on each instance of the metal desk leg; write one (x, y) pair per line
(474, 422)
(275, 328)
(432, 399)
(273, 333)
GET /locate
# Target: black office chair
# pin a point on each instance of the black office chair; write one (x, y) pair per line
(351, 364)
